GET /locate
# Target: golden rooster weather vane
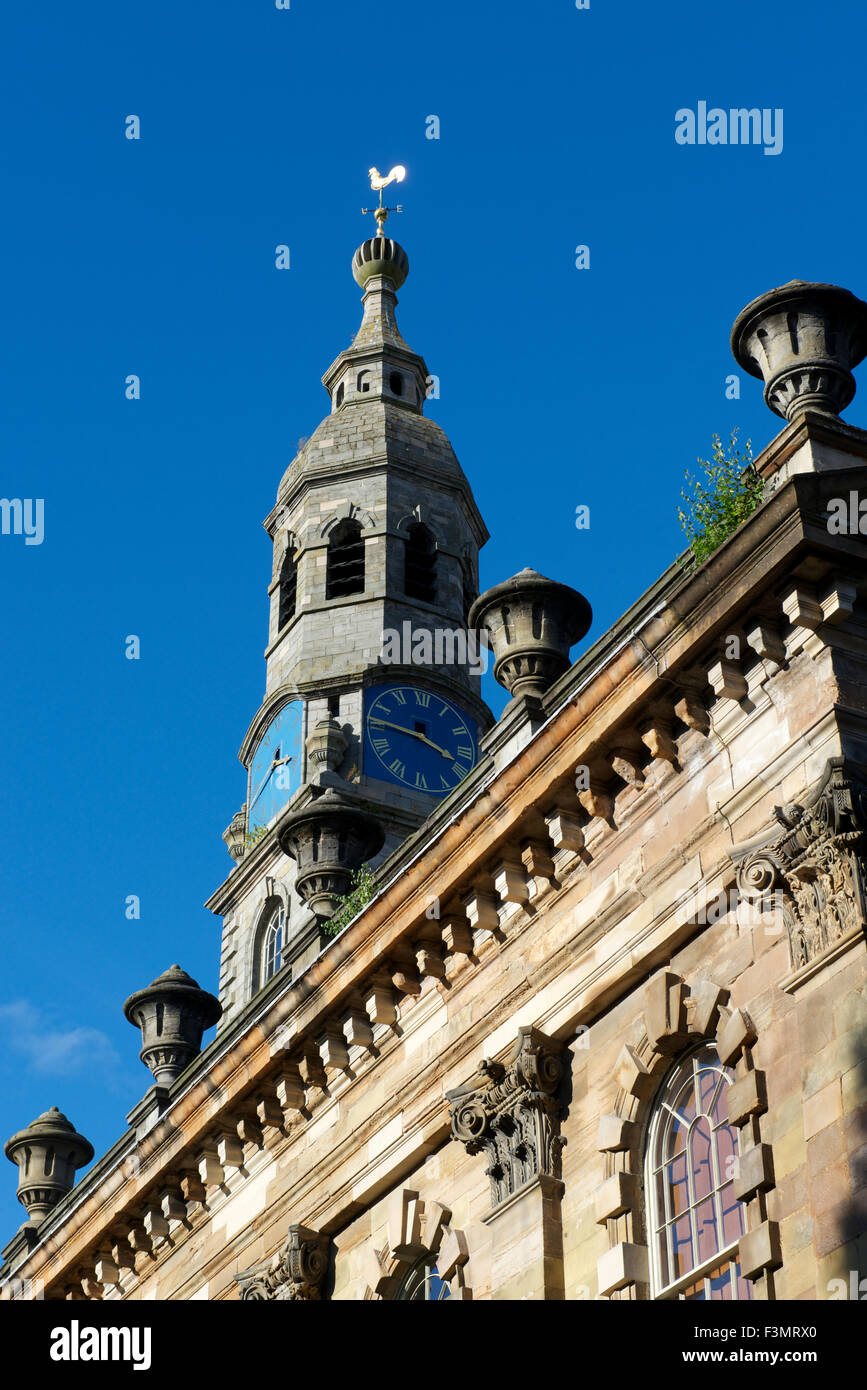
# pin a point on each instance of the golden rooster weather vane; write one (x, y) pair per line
(378, 182)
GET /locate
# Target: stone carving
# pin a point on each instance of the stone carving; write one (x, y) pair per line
(296, 1272)
(328, 838)
(531, 623)
(235, 834)
(172, 1013)
(47, 1153)
(511, 1112)
(803, 339)
(814, 854)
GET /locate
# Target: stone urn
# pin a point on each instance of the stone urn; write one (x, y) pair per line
(326, 748)
(235, 834)
(530, 623)
(328, 839)
(172, 1014)
(47, 1153)
(803, 340)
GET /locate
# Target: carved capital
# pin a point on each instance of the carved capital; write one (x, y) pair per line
(296, 1272)
(512, 1112)
(814, 856)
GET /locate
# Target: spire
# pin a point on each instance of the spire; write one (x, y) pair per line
(379, 365)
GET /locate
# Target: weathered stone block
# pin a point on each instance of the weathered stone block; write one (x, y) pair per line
(747, 1097)
(616, 1196)
(622, 1265)
(759, 1250)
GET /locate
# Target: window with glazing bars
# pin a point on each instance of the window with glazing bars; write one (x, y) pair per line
(345, 568)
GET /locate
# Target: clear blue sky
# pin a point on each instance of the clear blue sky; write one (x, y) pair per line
(559, 386)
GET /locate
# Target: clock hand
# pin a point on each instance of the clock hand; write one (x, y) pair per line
(414, 733)
(275, 762)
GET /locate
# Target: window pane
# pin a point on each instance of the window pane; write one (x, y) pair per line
(693, 1215)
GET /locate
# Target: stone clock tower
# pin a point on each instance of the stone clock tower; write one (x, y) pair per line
(372, 711)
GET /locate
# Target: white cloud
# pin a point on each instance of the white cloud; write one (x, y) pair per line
(52, 1051)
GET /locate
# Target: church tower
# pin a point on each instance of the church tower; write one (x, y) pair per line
(372, 710)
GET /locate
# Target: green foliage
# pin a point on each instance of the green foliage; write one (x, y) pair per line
(252, 836)
(730, 492)
(364, 887)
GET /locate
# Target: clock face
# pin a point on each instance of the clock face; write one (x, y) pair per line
(275, 772)
(417, 738)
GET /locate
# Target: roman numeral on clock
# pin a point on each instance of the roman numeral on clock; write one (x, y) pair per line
(398, 768)
(399, 696)
(381, 745)
(466, 753)
(422, 698)
(420, 782)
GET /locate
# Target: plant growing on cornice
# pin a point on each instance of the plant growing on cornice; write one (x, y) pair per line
(253, 836)
(364, 887)
(730, 492)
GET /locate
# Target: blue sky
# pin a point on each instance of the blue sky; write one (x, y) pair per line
(559, 386)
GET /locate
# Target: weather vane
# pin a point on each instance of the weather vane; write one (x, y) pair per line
(378, 182)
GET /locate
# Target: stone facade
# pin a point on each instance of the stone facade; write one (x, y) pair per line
(658, 858)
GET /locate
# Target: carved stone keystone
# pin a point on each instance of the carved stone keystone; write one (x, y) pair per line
(172, 1014)
(47, 1153)
(512, 1112)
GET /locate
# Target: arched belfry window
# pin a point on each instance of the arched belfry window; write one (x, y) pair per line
(273, 942)
(288, 588)
(345, 567)
(695, 1222)
(423, 1284)
(420, 559)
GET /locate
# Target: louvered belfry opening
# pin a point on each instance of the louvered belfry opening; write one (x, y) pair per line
(288, 589)
(420, 559)
(345, 571)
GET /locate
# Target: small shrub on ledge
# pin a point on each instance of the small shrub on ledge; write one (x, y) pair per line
(364, 887)
(730, 492)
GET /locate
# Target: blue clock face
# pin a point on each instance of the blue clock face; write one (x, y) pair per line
(275, 772)
(417, 738)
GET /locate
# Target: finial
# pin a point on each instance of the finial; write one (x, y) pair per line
(378, 182)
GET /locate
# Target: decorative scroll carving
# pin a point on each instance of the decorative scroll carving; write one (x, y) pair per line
(295, 1272)
(512, 1113)
(814, 854)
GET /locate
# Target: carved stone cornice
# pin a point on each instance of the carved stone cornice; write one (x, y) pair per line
(814, 856)
(296, 1272)
(512, 1112)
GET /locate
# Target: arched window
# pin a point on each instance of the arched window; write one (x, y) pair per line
(288, 589)
(345, 568)
(395, 383)
(338, 399)
(420, 559)
(694, 1219)
(423, 1283)
(273, 943)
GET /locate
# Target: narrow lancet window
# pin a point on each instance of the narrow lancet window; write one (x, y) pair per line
(345, 567)
(420, 558)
